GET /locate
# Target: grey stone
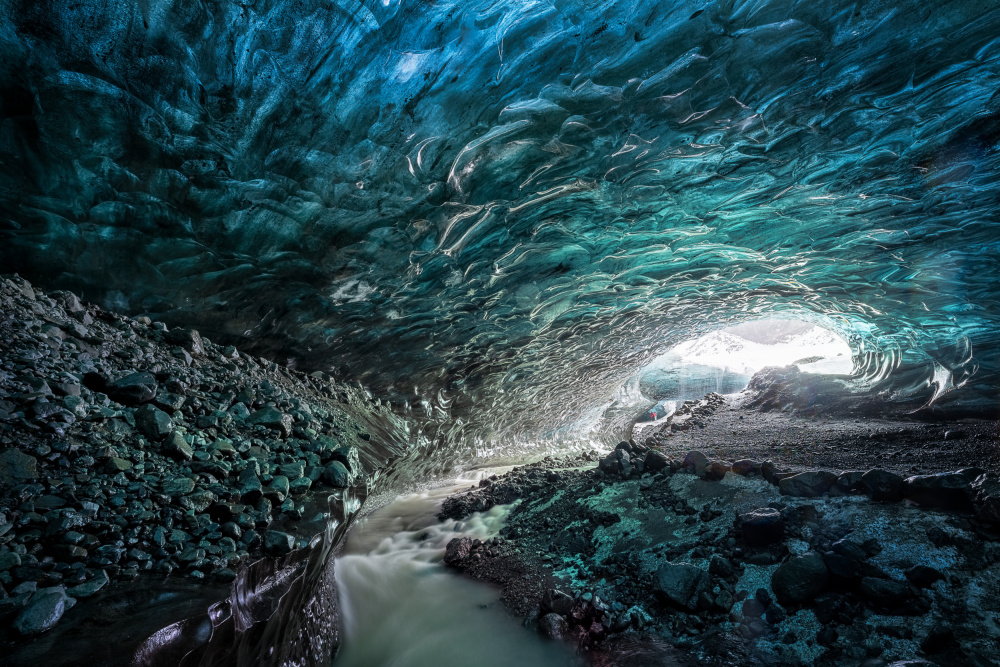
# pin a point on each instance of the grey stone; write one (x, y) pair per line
(16, 466)
(799, 579)
(177, 447)
(272, 418)
(807, 484)
(152, 422)
(178, 486)
(277, 543)
(42, 612)
(681, 583)
(134, 389)
(88, 588)
(336, 475)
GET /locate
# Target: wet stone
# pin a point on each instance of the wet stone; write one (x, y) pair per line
(336, 475)
(278, 543)
(42, 612)
(89, 588)
(553, 626)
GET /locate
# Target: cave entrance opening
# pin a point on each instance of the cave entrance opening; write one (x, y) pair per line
(724, 360)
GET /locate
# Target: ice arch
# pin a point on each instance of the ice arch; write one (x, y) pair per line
(490, 210)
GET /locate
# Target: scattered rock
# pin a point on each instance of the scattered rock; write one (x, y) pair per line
(553, 626)
(799, 579)
(882, 485)
(762, 526)
(681, 584)
(336, 475)
(272, 418)
(808, 484)
(152, 422)
(42, 612)
(16, 466)
(134, 389)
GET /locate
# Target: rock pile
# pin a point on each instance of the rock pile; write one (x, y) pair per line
(128, 447)
(743, 563)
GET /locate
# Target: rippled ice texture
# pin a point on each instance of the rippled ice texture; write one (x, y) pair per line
(504, 208)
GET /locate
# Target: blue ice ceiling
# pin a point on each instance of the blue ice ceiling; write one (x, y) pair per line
(510, 206)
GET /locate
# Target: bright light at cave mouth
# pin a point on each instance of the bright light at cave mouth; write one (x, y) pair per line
(748, 347)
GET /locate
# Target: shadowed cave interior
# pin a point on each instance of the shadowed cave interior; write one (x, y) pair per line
(657, 332)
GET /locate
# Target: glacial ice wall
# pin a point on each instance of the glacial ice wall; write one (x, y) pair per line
(497, 210)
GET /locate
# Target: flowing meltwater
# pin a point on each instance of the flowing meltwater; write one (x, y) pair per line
(400, 606)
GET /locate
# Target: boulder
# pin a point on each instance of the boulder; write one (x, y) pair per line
(799, 579)
(986, 496)
(457, 550)
(16, 466)
(807, 484)
(762, 526)
(133, 390)
(553, 626)
(946, 490)
(272, 418)
(745, 467)
(153, 423)
(885, 593)
(554, 600)
(848, 482)
(42, 612)
(336, 475)
(681, 584)
(715, 471)
(696, 462)
(277, 543)
(923, 576)
(176, 446)
(348, 455)
(882, 485)
(96, 583)
(655, 461)
(189, 339)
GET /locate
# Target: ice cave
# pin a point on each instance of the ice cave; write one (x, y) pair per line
(426, 333)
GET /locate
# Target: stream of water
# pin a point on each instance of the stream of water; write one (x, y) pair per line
(402, 608)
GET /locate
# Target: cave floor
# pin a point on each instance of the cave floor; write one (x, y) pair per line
(658, 566)
(727, 429)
